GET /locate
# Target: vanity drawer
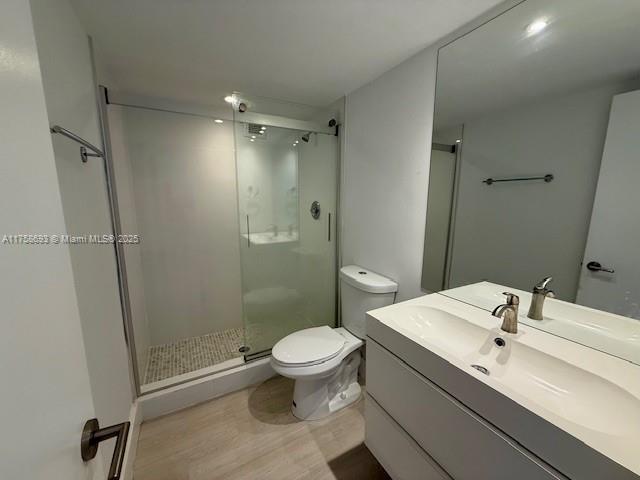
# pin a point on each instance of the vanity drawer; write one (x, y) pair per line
(398, 453)
(460, 441)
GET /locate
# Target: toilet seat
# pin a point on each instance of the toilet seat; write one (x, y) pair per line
(311, 346)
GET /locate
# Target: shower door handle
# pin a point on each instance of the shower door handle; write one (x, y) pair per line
(329, 228)
(93, 435)
(248, 234)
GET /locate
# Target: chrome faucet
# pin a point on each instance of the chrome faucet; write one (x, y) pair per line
(509, 313)
(540, 292)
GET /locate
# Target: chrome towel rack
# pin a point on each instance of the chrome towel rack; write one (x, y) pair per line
(490, 181)
(85, 146)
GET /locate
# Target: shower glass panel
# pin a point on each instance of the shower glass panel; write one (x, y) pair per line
(288, 253)
(175, 175)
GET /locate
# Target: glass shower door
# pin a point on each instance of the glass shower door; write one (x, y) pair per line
(287, 248)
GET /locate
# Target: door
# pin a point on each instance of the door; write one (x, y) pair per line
(614, 233)
(287, 188)
(437, 231)
(46, 394)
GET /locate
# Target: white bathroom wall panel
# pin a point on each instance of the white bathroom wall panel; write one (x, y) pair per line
(386, 172)
(184, 184)
(46, 392)
(129, 226)
(517, 233)
(71, 102)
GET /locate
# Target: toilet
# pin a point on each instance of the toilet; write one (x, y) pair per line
(324, 361)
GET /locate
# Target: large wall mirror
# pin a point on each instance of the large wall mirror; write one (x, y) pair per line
(536, 164)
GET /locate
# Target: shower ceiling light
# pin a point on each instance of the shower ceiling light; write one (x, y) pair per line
(537, 26)
(217, 120)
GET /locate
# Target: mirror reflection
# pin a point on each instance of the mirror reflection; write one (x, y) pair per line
(535, 169)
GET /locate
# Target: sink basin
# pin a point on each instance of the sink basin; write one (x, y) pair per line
(564, 390)
(441, 329)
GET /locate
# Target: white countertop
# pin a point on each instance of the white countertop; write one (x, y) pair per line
(593, 396)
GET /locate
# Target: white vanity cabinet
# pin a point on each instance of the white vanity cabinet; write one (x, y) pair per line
(450, 435)
(534, 413)
(400, 455)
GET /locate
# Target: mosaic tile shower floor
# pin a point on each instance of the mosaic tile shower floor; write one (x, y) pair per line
(189, 354)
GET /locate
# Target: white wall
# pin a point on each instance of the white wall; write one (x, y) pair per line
(46, 394)
(71, 102)
(516, 234)
(184, 191)
(386, 171)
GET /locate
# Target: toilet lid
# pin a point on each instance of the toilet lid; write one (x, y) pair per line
(308, 347)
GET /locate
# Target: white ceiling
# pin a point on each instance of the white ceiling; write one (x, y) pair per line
(586, 44)
(306, 51)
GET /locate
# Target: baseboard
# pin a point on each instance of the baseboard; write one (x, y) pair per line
(132, 442)
(197, 391)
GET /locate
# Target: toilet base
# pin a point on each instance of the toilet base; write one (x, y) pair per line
(316, 399)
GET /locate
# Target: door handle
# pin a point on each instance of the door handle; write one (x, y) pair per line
(92, 435)
(596, 267)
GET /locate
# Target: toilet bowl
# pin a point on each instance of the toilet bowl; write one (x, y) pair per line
(324, 361)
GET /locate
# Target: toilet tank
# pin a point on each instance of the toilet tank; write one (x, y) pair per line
(362, 290)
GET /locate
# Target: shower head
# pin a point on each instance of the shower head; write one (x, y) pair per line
(306, 137)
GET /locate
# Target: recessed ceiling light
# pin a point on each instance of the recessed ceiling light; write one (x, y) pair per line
(229, 99)
(458, 141)
(295, 144)
(251, 140)
(537, 26)
(263, 128)
(253, 136)
(217, 120)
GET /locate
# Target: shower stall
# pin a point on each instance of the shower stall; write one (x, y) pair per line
(236, 215)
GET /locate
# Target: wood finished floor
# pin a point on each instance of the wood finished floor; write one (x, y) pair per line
(252, 434)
